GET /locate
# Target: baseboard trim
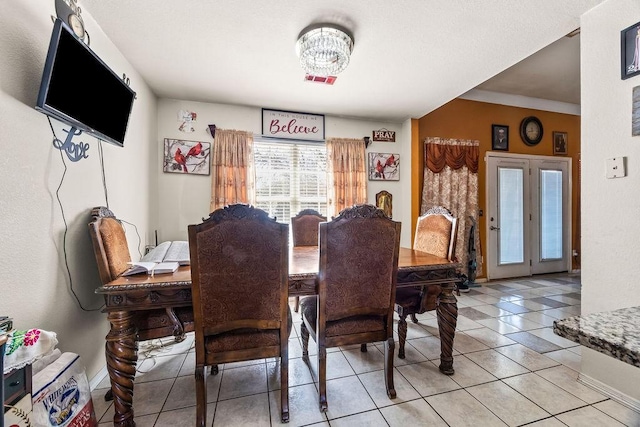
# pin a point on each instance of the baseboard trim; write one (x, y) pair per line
(614, 394)
(97, 379)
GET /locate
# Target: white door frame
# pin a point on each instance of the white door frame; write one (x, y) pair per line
(531, 239)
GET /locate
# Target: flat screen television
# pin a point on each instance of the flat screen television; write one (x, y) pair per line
(79, 89)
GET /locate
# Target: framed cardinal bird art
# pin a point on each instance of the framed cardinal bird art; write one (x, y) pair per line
(188, 157)
(384, 167)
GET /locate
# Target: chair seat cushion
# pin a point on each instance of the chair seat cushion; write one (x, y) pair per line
(244, 339)
(408, 297)
(412, 302)
(351, 325)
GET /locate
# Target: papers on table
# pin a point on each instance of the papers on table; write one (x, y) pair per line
(151, 268)
(176, 251)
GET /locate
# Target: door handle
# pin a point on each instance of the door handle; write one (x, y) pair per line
(494, 228)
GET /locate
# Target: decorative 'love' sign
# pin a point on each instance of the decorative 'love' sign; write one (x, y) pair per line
(292, 125)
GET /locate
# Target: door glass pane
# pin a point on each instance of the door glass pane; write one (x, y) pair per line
(511, 216)
(550, 215)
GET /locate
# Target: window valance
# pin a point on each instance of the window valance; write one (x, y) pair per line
(454, 153)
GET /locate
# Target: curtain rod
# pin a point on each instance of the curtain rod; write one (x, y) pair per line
(264, 138)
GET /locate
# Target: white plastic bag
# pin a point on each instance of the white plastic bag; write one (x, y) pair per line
(61, 395)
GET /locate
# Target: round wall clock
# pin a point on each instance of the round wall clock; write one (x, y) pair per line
(69, 12)
(76, 24)
(531, 130)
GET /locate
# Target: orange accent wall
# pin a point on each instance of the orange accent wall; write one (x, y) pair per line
(465, 119)
(417, 165)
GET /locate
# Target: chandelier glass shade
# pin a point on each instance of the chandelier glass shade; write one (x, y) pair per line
(324, 50)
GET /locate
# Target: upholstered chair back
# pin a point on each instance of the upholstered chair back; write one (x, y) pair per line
(358, 260)
(304, 227)
(436, 232)
(239, 259)
(109, 243)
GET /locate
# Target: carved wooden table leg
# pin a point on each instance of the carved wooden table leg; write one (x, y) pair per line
(402, 336)
(447, 318)
(121, 351)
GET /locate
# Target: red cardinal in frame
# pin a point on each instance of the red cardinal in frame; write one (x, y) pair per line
(391, 160)
(380, 169)
(181, 160)
(195, 150)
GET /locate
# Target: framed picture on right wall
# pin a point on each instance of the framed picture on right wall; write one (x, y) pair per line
(630, 51)
(560, 143)
(500, 137)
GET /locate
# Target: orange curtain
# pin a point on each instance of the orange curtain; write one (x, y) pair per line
(232, 177)
(451, 180)
(439, 153)
(347, 175)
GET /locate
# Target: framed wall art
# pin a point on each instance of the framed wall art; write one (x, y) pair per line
(560, 141)
(384, 167)
(188, 157)
(500, 137)
(384, 201)
(630, 51)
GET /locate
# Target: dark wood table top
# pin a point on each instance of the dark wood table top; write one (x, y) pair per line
(303, 264)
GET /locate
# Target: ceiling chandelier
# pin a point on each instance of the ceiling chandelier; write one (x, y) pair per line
(324, 49)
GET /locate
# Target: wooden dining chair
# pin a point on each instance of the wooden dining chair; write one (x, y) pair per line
(304, 230)
(436, 233)
(112, 256)
(239, 272)
(356, 288)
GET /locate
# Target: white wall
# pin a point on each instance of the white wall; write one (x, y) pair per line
(184, 199)
(34, 284)
(610, 230)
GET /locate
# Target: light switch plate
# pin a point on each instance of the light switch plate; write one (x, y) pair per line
(615, 167)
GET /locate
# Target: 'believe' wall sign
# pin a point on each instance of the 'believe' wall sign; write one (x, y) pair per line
(292, 125)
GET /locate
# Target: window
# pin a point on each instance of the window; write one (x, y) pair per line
(290, 177)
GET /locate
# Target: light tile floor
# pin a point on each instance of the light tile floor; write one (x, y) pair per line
(511, 369)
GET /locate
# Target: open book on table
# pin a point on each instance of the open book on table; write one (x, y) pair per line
(151, 268)
(176, 251)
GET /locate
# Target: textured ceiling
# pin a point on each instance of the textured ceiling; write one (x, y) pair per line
(407, 61)
(552, 73)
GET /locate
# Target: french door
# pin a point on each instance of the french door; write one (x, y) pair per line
(528, 215)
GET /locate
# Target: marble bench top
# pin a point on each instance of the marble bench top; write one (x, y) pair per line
(615, 333)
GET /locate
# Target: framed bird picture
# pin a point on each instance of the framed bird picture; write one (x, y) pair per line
(188, 157)
(384, 167)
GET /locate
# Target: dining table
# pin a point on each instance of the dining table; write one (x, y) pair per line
(127, 295)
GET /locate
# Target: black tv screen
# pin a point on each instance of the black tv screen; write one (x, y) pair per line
(79, 89)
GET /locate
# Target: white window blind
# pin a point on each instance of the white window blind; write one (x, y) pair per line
(290, 177)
